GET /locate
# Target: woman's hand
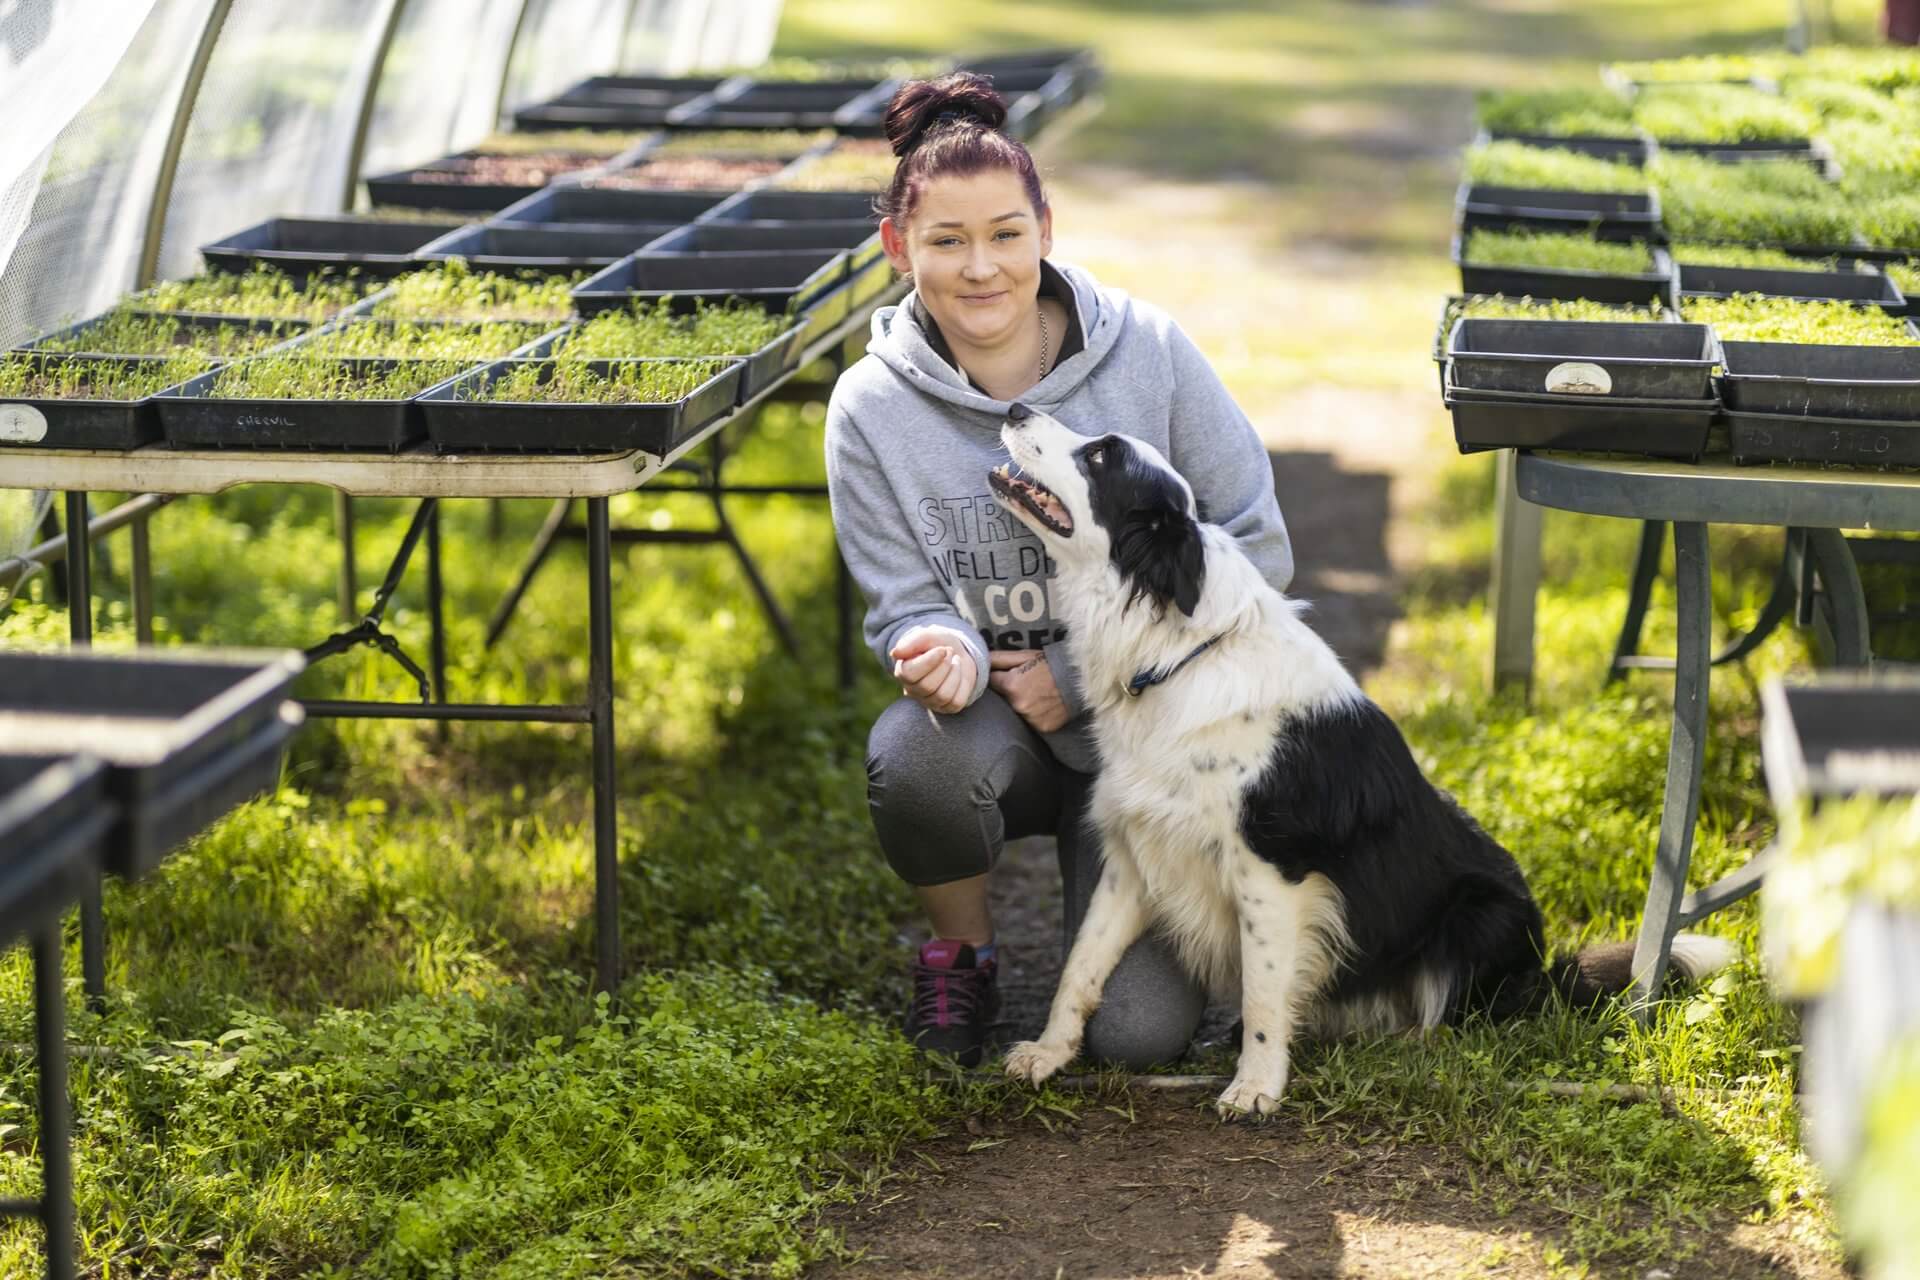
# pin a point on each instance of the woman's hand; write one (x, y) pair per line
(933, 669)
(1024, 679)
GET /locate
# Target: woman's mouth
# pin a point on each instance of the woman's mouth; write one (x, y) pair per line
(983, 299)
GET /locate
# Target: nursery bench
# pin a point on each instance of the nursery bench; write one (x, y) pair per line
(1813, 504)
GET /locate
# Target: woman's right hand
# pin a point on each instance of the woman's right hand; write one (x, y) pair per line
(933, 668)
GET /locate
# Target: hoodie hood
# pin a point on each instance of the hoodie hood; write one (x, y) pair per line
(902, 345)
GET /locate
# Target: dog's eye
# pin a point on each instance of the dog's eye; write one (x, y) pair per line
(1096, 456)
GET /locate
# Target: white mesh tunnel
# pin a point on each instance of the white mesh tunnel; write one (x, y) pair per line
(90, 205)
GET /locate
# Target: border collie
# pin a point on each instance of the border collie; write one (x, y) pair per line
(1253, 804)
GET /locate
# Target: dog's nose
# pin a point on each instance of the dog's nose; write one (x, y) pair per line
(1017, 412)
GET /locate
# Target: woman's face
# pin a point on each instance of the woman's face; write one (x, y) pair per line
(973, 246)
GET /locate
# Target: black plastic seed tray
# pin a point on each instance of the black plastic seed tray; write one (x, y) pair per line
(1625, 149)
(640, 88)
(1864, 288)
(55, 820)
(615, 102)
(608, 208)
(1805, 150)
(1841, 734)
(791, 206)
(856, 235)
(825, 104)
(1656, 428)
(83, 424)
(459, 425)
(1560, 284)
(1795, 437)
(762, 367)
(192, 417)
(1823, 381)
(421, 189)
(549, 250)
(305, 246)
(185, 735)
(1581, 357)
(1613, 216)
(788, 280)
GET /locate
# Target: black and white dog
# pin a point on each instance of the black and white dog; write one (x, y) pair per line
(1254, 804)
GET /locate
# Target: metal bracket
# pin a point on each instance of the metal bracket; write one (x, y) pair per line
(368, 629)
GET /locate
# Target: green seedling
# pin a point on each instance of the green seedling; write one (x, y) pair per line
(1890, 221)
(294, 376)
(456, 292)
(842, 170)
(1874, 158)
(407, 340)
(1906, 275)
(1513, 164)
(652, 329)
(1768, 202)
(1830, 100)
(1718, 113)
(1692, 253)
(24, 376)
(1711, 68)
(598, 142)
(261, 292)
(1557, 251)
(576, 382)
(1751, 317)
(734, 143)
(125, 332)
(1560, 112)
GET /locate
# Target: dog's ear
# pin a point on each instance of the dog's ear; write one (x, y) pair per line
(1159, 553)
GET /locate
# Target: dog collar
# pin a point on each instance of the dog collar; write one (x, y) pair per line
(1144, 680)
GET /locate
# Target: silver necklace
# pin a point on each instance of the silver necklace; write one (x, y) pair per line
(1044, 342)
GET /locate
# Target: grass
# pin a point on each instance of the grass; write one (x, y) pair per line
(1558, 251)
(299, 375)
(53, 377)
(578, 382)
(1751, 317)
(1778, 202)
(1564, 112)
(654, 329)
(1513, 164)
(1718, 113)
(262, 292)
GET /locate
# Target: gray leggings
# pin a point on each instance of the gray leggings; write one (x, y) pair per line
(947, 793)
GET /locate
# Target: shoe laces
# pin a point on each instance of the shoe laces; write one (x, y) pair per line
(949, 997)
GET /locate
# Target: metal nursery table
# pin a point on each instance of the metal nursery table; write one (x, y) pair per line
(421, 473)
(1813, 505)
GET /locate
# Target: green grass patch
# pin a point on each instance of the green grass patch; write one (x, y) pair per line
(1561, 112)
(456, 292)
(261, 292)
(1513, 164)
(576, 382)
(654, 329)
(1557, 251)
(1718, 113)
(1780, 202)
(1751, 317)
(299, 376)
(31, 377)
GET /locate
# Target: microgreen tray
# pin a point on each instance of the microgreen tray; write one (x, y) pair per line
(789, 280)
(1823, 381)
(1561, 283)
(459, 424)
(45, 423)
(1625, 360)
(303, 246)
(1862, 287)
(192, 417)
(55, 820)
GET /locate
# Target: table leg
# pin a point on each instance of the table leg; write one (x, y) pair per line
(1686, 753)
(1646, 567)
(1516, 579)
(436, 616)
(606, 864)
(142, 582)
(349, 585)
(93, 928)
(56, 1155)
(1846, 598)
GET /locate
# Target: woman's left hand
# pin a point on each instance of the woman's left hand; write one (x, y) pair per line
(1024, 679)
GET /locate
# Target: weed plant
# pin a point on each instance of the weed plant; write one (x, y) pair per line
(1772, 202)
(577, 382)
(261, 292)
(1752, 317)
(406, 340)
(1514, 164)
(841, 171)
(297, 376)
(25, 376)
(644, 329)
(126, 332)
(454, 291)
(1561, 112)
(1558, 251)
(1718, 113)
(772, 144)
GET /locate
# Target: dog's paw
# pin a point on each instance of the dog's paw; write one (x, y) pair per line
(1245, 1097)
(1034, 1060)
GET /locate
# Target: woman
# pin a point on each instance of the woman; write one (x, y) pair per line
(988, 742)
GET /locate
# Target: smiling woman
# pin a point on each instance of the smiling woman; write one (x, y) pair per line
(989, 740)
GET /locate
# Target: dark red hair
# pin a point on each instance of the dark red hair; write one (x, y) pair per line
(950, 126)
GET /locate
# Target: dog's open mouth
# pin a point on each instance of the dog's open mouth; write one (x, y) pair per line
(1036, 498)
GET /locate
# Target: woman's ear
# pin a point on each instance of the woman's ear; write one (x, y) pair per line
(1046, 230)
(894, 241)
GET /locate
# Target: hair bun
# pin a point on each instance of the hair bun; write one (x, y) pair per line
(957, 98)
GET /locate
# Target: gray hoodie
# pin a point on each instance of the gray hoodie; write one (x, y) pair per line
(910, 441)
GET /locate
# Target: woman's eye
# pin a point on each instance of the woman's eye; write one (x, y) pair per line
(1009, 234)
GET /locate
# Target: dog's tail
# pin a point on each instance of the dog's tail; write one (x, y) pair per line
(1605, 970)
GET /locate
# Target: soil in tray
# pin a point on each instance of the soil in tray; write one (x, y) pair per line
(263, 293)
(534, 169)
(29, 376)
(742, 144)
(842, 170)
(622, 382)
(689, 173)
(125, 332)
(642, 330)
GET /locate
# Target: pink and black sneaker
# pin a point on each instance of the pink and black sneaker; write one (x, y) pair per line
(955, 1001)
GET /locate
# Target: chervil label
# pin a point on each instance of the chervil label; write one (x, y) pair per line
(22, 424)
